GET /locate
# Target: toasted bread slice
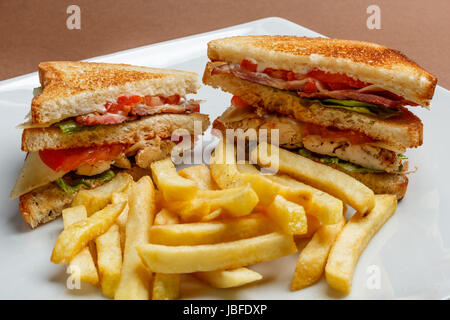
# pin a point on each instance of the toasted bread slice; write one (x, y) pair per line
(77, 88)
(387, 68)
(46, 203)
(161, 125)
(406, 130)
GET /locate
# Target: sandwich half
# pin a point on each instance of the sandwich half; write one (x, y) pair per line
(92, 120)
(339, 102)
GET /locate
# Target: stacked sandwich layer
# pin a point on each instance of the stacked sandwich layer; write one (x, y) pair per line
(338, 102)
(90, 120)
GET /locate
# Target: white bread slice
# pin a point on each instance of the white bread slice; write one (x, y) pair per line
(161, 125)
(405, 131)
(387, 68)
(76, 88)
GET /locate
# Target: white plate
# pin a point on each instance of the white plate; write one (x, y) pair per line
(410, 256)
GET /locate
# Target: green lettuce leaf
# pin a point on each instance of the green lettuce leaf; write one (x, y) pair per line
(85, 182)
(359, 107)
(69, 126)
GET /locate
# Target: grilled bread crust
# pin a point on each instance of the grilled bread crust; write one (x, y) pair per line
(46, 203)
(380, 183)
(77, 88)
(405, 131)
(161, 125)
(387, 68)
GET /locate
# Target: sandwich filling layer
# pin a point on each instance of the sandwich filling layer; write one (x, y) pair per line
(352, 150)
(317, 84)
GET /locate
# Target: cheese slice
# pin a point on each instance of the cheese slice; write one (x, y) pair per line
(34, 174)
(234, 114)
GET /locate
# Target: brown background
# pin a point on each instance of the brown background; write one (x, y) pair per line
(35, 30)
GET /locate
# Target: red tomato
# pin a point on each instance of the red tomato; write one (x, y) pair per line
(153, 101)
(353, 137)
(248, 65)
(70, 159)
(310, 87)
(123, 104)
(238, 102)
(336, 78)
(290, 76)
(129, 101)
(274, 73)
(175, 99)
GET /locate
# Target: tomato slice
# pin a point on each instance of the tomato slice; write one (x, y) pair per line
(174, 99)
(70, 159)
(353, 137)
(310, 87)
(238, 102)
(336, 78)
(248, 65)
(123, 104)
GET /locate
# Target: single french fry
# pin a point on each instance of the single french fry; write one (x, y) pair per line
(239, 201)
(312, 259)
(77, 236)
(223, 166)
(83, 260)
(289, 216)
(165, 216)
(173, 186)
(211, 232)
(96, 199)
(318, 175)
(166, 286)
(121, 220)
(229, 278)
(135, 279)
(313, 225)
(109, 260)
(201, 175)
(353, 239)
(221, 256)
(326, 208)
(213, 215)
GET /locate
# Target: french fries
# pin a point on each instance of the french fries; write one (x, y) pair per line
(289, 216)
(223, 166)
(212, 223)
(190, 234)
(326, 208)
(320, 176)
(201, 175)
(77, 236)
(312, 259)
(229, 278)
(83, 261)
(173, 186)
(166, 286)
(352, 240)
(96, 199)
(221, 256)
(135, 278)
(109, 260)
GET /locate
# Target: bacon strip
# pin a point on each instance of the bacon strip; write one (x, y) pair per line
(139, 110)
